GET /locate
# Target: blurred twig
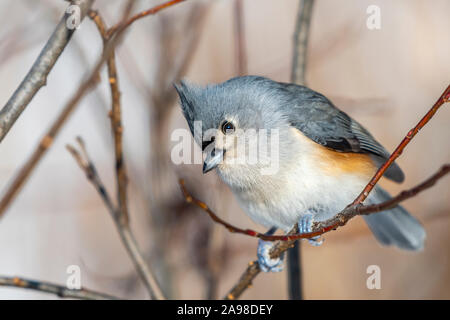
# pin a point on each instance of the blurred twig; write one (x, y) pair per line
(37, 76)
(59, 290)
(301, 36)
(177, 44)
(122, 225)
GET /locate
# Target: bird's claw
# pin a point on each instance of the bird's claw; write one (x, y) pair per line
(305, 226)
(266, 263)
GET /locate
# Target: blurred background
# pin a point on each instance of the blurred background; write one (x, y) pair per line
(386, 79)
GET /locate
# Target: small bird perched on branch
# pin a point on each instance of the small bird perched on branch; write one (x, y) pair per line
(323, 158)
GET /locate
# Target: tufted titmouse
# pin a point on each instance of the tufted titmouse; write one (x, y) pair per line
(324, 158)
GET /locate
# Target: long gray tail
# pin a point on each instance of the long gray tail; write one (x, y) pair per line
(395, 226)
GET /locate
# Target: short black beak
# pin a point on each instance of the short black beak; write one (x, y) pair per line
(213, 159)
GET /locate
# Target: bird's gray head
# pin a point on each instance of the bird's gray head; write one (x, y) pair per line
(228, 110)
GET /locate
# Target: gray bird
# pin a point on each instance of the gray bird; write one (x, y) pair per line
(315, 160)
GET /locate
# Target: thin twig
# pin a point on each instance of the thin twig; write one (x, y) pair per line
(121, 176)
(253, 269)
(116, 121)
(406, 194)
(122, 226)
(339, 220)
(143, 14)
(177, 43)
(51, 134)
(196, 17)
(59, 290)
(116, 124)
(37, 76)
(445, 97)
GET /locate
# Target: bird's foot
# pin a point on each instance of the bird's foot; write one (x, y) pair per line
(266, 263)
(305, 226)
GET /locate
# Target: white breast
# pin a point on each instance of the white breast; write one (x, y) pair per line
(300, 185)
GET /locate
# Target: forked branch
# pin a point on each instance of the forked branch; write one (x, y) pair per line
(41, 149)
(122, 225)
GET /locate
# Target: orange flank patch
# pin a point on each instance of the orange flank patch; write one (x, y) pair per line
(337, 163)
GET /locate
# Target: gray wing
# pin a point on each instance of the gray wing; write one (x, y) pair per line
(316, 117)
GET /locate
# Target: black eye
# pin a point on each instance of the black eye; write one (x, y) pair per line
(227, 127)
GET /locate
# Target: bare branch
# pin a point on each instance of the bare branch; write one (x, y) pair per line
(143, 14)
(37, 76)
(59, 290)
(51, 134)
(253, 269)
(116, 124)
(122, 226)
(116, 121)
(339, 220)
(122, 219)
(444, 98)
(404, 195)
